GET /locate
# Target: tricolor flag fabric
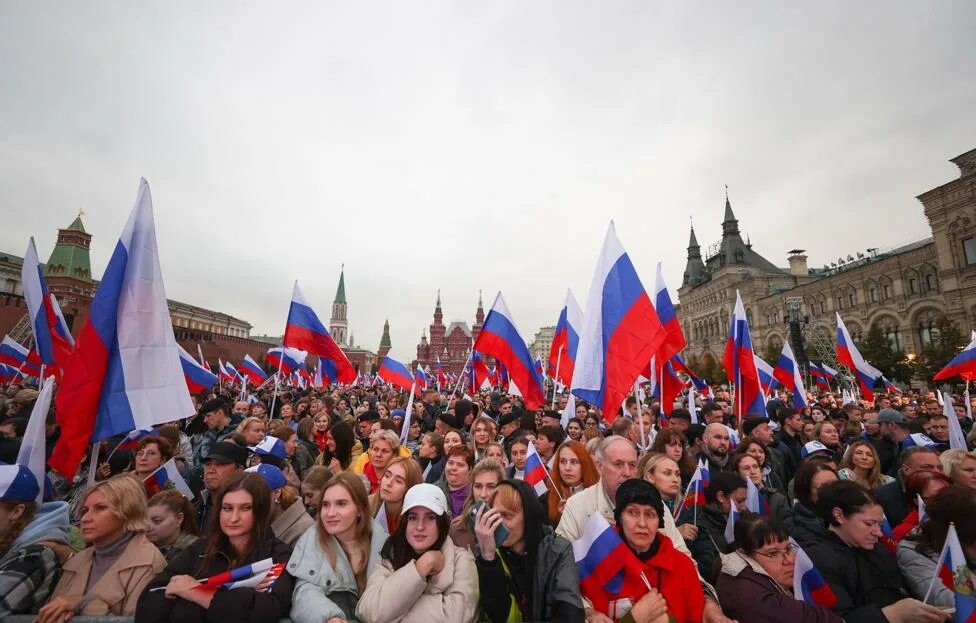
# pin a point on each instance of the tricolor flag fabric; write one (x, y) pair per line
(198, 378)
(396, 373)
(124, 372)
(288, 359)
(34, 444)
(167, 476)
(962, 365)
(956, 576)
(442, 380)
(755, 500)
(420, 377)
(535, 470)
(248, 576)
(478, 373)
(888, 535)
(12, 353)
(730, 522)
(668, 388)
(767, 381)
(695, 493)
(848, 355)
(674, 341)
(203, 360)
(621, 331)
(132, 439)
(51, 338)
(679, 365)
(603, 560)
(304, 331)
(565, 341)
(325, 373)
(808, 583)
(957, 438)
(890, 387)
(540, 370)
(739, 361)
(227, 373)
(822, 375)
(9, 374)
(253, 371)
(499, 338)
(788, 373)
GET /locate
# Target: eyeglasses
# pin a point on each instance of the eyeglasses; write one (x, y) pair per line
(146, 453)
(776, 554)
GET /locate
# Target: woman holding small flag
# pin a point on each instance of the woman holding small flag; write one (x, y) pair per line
(756, 584)
(234, 573)
(423, 577)
(862, 573)
(108, 576)
(150, 453)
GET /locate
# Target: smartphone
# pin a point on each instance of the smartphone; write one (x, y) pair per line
(501, 532)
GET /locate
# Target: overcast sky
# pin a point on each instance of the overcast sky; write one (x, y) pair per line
(472, 145)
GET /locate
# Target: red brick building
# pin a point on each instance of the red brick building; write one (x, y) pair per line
(451, 343)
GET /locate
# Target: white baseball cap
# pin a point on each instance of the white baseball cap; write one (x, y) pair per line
(426, 495)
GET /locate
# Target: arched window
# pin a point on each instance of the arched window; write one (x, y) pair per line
(931, 282)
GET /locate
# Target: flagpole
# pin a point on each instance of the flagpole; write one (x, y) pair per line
(559, 356)
(640, 415)
(938, 565)
(274, 396)
(460, 378)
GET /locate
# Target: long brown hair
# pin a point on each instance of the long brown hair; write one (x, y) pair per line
(587, 471)
(177, 503)
(217, 541)
(364, 523)
(30, 508)
(664, 438)
(874, 474)
(412, 476)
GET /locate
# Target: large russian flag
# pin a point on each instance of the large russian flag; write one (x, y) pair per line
(420, 376)
(12, 353)
(124, 372)
(51, 337)
(565, 341)
(674, 343)
(739, 361)
(848, 355)
(395, 373)
(304, 330)
(787, 372)
(253, 371)
(963, 364)
(290, 359)
(198, 378)
(621, 331)
(500, 339)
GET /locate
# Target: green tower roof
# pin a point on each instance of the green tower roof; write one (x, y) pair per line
(69, 259)
(341, 291)
(385, 340)
(76, 225)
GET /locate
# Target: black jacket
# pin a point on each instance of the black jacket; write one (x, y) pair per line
(892, 498)
(864, 581)
(237, 605)
(710, 542)
(889, 453)
(804, 525)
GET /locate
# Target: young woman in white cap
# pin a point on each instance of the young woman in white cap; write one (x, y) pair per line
(423, 576)
(34, 542)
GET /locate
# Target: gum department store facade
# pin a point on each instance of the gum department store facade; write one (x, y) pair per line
(903, 290)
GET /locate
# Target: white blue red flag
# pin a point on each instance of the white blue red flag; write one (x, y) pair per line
(821, 376)
(956, 576)
(535, 470)
(695, 493)
(226, 373)
(253, 370)
(621, 331)
(739, 361)
(12, 353)
(808, 584)
(33, 446)
(167, 476)
(203, 360)
(674, 343)
(305, 331)
(767, 381)
(787, 372)
(442, 379)
(51, 338)
(396, 373)
(565, 341)
(957, 438)
(198, 378)
(603, 561)
(290, 359)
(755, 501)
(499, 338)
(963, 365)
(890, 387)
(848, 355)
(124, 372)
(248, 576)
(420, 377)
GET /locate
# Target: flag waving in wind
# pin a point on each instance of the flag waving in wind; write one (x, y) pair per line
(304, 330)
(51, 338)
(124, 372)
(500, 339)
(621, 331)
(396, 373)
(253, 371)
(674, 343)
(198, 378)
(565, 341)
(740, 364)
(848, 355)
(963, 364)
(787, 372)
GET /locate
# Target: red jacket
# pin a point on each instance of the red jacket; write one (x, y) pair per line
(673, 574)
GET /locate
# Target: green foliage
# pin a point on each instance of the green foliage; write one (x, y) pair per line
(947, 341)
(771, 353)
(878, 351)
(708, 369)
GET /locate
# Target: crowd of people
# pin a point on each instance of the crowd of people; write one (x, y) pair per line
(365, 516)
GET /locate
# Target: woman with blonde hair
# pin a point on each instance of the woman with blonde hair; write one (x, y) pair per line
(483, 431)
(386, 503)
(860, 464)
(108, 576)
(485, 476)
(331, 563)
(960, 467)
(312, 485)
(573, 470)
(253, 428)
(383, 446)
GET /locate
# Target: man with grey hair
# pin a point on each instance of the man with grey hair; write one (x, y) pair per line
(616, 459)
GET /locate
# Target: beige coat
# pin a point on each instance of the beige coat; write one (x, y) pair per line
(403, 596)
(292, 523)
(118, 590)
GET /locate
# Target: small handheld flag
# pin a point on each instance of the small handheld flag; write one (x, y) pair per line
(808, 584)
(535, 470)
(167, 476)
